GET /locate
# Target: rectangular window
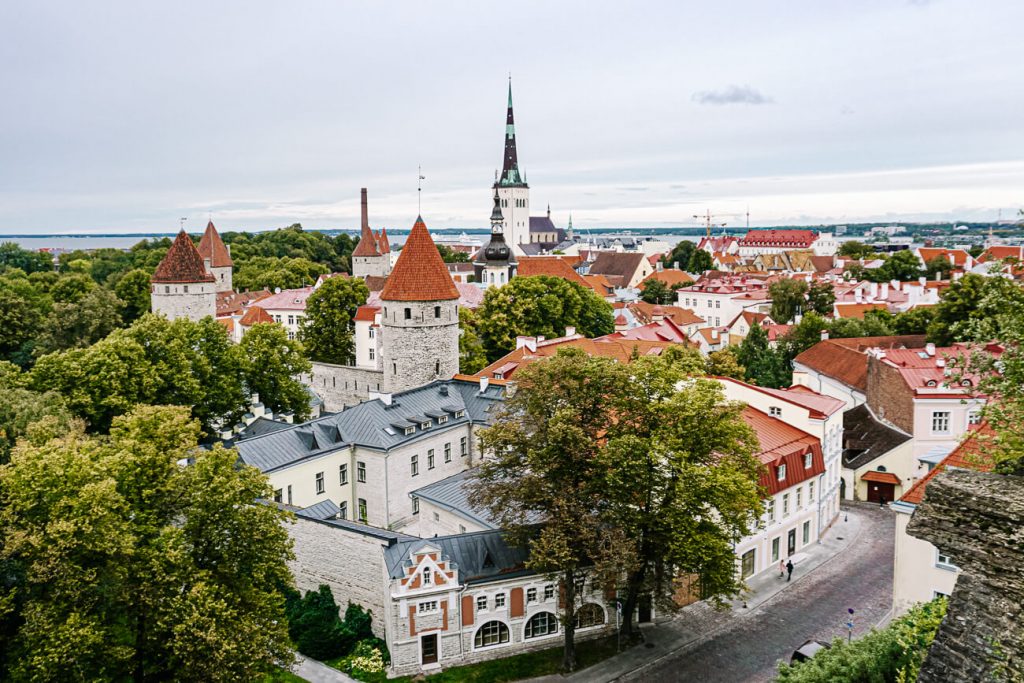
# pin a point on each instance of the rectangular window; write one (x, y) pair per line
(785, 504)
(373, 353)
(810, 492)
(447, 452)
(427, 607)
(799, 497)
(460, 413)
(808, 460)
(748, 561)
(371, 333)
(549, 592)
(343, 510)
(974, 417)
(775, 411)
(943, 561)
(499, 600)
(462, 529)
(430, 459)
(362, 510)
(408, 314)
(278, 496)
(807, 532)
(776, 542)
(291, 335)
(531, 595)
(291, 320)
(437, 517)
(410, 431)
(780, 472)
(442, 419)
(343, 474)
(481, 603)
(771, 511)
(414, 465)
(415, 505)
(940, 422)
(289, 494)
(319, 482)
(462, 446)
(428, 576)
(361, 472)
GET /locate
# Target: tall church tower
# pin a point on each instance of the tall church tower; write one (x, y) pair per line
(217, 258)
(420, 316)
(496, 262)
(512, 189)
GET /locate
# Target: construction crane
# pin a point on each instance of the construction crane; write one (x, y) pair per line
(710, 221)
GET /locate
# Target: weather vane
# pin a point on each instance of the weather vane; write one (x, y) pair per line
(419, 190)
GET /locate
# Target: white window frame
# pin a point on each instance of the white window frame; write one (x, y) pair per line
(481, 603)
(775, 411)
(499, 600)
(940, 418)
(427, 607)
(780, 472)
(320, 487)
(943, 561)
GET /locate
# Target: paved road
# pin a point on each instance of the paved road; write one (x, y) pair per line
(748, 646)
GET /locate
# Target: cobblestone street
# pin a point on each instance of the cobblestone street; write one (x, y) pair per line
(745, 646)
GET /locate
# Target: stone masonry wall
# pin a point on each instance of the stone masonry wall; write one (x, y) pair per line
(889, 397)
(200, 300)
(344, 385)
(352, 564)
(977, 519)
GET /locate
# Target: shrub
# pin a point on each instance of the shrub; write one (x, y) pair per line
(892, 655)
(318, 631)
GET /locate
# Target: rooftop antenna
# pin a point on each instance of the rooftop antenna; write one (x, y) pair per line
(419, 190)
(748, 216)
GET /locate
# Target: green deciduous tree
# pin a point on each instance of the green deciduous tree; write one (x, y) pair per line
(959, 303)
(657, 292)
(13, 256)
(902, 266)
(127, 565)
(133, 288)
(20, 320)
(449, 255)
(939, 268)
(80, 324)
(275, 272)
(700, 261)
(681, 254)
(789, 297)
(821, 297)
(725, 363)
(271, 366)
(328, 325)
(539, 305)
(855, 249)
(914, 321)
(763, 365)
(70, 288)
(472, 358)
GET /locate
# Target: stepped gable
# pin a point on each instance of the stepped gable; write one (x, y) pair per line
(420, 274)
(182, 263)
(212, 247)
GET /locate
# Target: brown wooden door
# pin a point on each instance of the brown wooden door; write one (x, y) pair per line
(791, 543)
(428, 647)
(877, 489)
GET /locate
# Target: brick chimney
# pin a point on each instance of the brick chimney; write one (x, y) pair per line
(365, 223)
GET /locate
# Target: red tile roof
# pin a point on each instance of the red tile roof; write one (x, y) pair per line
(818, 405)
(366, 313)
(957, 257)
(779, 238)
(669, 276)
(212, 247)
(845, 360)
(1000, 252)
(857, 311)
(882, 477)
(552, 266)
(255, 314)
(621, 350)
(970, 454)
(782, 443)
(420, 274)
(644, 312)
(182, 263)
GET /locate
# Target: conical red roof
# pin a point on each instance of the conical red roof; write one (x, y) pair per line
(212, 247)
(420, 274)
(383, 243)
(367, 245)
(182, 263)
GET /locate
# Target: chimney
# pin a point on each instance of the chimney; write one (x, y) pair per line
(873, 289)
(922, 281)
(659, 266)
(444, 389)
(940, 362)
(365, 224)
(714, 333)
(385, 397)
(884, 291)
(858, 296)
(570, 331)
(675, 264)
(529, 342)
(824, 335)
(929, 348)
(657, 314)
(484, 383)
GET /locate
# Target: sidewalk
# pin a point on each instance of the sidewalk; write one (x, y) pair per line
(317, 672)
(699, 621)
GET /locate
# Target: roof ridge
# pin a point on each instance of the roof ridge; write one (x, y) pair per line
(420, 273)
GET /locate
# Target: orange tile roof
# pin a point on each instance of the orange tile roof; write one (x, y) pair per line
(618, 349)
(600, 285)
(366, 313)
(552, 266)
(781, 443)
(420, 274)
(845, 360)
(212, 247)
(1000, 252)
(255, 314)
(228, 323)
(970, 454)
(857, 311)
(957, 257)
(669, 276)
(182, 263)
(644, 312)
(882, 477)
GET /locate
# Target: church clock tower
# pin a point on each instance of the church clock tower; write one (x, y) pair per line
(513, 192)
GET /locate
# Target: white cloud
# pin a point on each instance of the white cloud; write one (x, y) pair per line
(733, 94)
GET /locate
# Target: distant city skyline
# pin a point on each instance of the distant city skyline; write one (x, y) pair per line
(124, 117)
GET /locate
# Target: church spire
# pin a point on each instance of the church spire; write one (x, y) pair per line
(510, 174)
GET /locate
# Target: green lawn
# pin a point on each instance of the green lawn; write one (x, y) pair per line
(279, 675)
(516, 667)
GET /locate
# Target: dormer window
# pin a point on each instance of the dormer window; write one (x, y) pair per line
(409, 431)
(780, 472)
(808, 460)
(460, 413)
(965, 383)
(442, 419)
(775, 411)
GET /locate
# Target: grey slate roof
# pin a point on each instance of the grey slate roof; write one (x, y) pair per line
(479, 556)
(325, 509)
(374, 532)
(369, 424)
(866, 439)
(452, 494)
(542, 224)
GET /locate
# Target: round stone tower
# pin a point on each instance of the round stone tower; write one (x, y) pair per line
(419, 316)
(182, 287)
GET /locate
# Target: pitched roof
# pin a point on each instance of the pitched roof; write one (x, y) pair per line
(865, 439)
(229, 303)
(255, 314)
(781, 443)
(818, 405)
(644, 312)
(182, 263)
(616, 348)
(287, 299)
(552, 266)
(957, 257)
(857, 311)
(669, 276)
(478, 556)
(970, 454)
(420, 273)
(600, 285)
(779, 238)
(621, 264)
(212, 247)
(845, 360)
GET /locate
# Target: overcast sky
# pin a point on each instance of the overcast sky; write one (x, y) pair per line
(126, 116)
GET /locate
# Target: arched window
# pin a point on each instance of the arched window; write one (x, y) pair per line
(491, 633)
(541, 624)
(590, 614)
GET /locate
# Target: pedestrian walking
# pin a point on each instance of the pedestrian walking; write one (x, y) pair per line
(789, 568)
(782, 568)
(881, 501)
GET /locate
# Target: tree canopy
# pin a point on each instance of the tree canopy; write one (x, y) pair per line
(328, 326)
(789, 297)
(539, 305)
(122, 564)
